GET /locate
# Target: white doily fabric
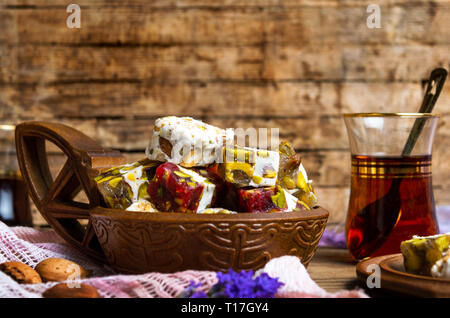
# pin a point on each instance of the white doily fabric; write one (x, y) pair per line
(30, 246)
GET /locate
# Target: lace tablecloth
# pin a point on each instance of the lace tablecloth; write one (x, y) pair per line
(31, 246)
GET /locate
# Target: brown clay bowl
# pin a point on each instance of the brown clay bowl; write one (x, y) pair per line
(137, 242)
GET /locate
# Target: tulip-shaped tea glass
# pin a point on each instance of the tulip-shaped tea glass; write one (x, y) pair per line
(391, 197)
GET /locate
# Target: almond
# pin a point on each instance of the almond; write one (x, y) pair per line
(65, 291)
(165, 146)
(21, 273)
(60, 269)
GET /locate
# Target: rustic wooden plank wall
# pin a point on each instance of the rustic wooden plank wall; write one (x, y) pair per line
(292, 64)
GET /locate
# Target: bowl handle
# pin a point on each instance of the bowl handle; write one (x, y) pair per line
(54, 197)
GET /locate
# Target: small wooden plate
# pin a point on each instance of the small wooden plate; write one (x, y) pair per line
(395, 278)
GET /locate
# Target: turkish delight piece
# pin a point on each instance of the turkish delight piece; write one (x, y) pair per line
(441, 269)
(226, 196)
(421, 253)
(303, 189)
(212, 175)
(289, 163)
(176, 189)
(293, 177)
(142, 206)
(216, 211)
(268, 199)
(252, 167)
(121, 186)
(187, 141)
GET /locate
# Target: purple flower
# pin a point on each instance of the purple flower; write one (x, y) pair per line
(333, 238)
(236, 285)
(199, 294)
(192, 292)
(267, 286)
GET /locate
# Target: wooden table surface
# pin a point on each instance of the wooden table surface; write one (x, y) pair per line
(334, 269)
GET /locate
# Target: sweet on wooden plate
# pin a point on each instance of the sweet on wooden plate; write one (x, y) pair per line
(394, 277)
(137, 242)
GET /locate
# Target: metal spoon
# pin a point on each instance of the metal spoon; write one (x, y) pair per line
(373, 220)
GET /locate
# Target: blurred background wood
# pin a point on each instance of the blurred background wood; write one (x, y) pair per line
(296, 65)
